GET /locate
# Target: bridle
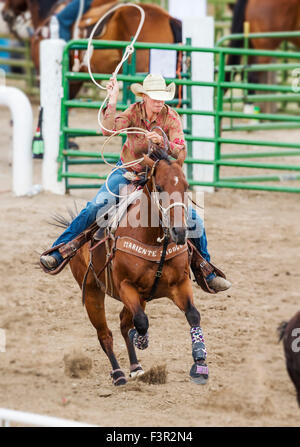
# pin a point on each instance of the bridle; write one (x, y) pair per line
(164, 210)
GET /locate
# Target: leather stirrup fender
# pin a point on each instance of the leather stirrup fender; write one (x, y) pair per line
(201, 269)
(69, 249)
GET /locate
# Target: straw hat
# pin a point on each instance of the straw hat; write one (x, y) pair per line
(155, 87)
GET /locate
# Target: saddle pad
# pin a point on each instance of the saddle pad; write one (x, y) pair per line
(115, 213)
(148, 252)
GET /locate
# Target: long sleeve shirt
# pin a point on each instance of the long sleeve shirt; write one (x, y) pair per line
(135, 116)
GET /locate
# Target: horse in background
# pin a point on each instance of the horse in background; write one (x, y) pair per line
(263, 16)
(289, 333)
(39, 10)
(121, 25)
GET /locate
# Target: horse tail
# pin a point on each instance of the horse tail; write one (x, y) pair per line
(281, 330)
(176, 27)
(237, 27)
(58, 220)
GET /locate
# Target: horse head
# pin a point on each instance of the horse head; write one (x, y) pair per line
(12, 9)
(168, 187)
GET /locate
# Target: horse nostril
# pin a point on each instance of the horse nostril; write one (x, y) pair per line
(179, 235)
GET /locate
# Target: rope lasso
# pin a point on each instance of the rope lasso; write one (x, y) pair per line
(129, 50)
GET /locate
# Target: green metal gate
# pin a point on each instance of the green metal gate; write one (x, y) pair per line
(233, 160)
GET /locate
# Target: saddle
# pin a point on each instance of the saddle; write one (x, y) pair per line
(92, 16)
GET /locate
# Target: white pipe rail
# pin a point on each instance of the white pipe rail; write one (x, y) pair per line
(21, 112)
(7, 416)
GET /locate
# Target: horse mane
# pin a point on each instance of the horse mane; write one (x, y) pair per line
(156, 154)
(159, 153)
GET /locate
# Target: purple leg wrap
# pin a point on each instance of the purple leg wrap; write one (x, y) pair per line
(139, 341)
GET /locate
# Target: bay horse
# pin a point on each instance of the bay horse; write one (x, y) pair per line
(263, 16)
(159, 26)
(289, 333)
(133, 274)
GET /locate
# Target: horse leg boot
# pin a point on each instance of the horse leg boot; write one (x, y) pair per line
(183, 297)
(126, 324)
(131, 299)
(94, 303)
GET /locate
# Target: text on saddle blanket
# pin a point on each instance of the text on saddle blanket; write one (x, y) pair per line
(148, 252)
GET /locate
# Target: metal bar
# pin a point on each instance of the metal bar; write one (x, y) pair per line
(76, 132)
(261, 116)
(98, 44)
(218, 117)
(260, 67)
(236, 185)
(261, 154)
(83, 175)
(265, 98)
(239, 36)
(265, 178)
(261, 126)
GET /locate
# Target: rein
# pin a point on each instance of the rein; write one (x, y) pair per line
(160, 265)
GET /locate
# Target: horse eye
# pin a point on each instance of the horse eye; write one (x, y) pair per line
(159, 188)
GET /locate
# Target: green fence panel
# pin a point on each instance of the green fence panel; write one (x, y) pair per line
(234, 159)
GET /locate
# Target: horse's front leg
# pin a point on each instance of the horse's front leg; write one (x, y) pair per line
(127, 326)
(130, 297)
(182, 296)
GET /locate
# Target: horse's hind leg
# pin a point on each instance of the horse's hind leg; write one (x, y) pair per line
(94, 303)
(126, 323)
(182, 296)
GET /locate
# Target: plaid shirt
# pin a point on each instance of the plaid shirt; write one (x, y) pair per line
(135, 116)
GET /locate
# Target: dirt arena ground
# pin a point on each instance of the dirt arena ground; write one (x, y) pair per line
(253, 236)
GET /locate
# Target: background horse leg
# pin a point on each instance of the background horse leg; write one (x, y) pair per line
(131, 299)
(94, 303)
(182, 296)
(126, 323)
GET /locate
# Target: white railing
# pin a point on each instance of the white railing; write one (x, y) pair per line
(37, 420)
(21, 113)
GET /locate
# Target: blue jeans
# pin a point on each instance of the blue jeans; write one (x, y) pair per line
(103, 200)
(67, 17)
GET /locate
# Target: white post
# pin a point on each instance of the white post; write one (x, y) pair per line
(7, 416)
(21, 112)
(201, 30)
(51, 51)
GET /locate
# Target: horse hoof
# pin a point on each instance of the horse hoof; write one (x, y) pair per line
(139, 341)
(199, 373)
(136, 372)
(118, 377)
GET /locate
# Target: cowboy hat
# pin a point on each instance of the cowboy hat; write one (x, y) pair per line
(155, 87)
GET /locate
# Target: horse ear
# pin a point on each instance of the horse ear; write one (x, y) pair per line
(147, 161)
(181, 157)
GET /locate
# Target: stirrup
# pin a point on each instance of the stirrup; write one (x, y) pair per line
(60, 267)
(202, 269)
